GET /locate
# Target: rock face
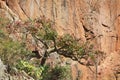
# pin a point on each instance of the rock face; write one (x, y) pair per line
(95, 20)
(2, 69)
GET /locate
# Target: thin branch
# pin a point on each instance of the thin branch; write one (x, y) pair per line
(41, 41)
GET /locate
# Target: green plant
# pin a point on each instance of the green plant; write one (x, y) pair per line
(43, 32)
(65, 45)
(4, 22)
(30, 69)
(11, 51)
(58, 73)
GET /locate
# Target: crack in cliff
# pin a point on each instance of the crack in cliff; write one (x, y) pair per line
(104, 25)
(87, 30)
(24, 12)
(39, 6)
(64, 3)
(89, 35)
(5, 6)
(54, 10)
(45, 7)
(6, 3)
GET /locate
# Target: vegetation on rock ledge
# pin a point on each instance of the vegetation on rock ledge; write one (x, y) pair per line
(15, 52)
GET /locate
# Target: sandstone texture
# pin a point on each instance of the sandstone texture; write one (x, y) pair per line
(97, 21)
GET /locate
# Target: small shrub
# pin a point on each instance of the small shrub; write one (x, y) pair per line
(30, 69)
(58, 73)
(11, 51)
(3, 21)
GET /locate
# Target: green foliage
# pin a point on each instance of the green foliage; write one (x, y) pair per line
(11, 51)
(15, 53)
(58, 73)
(30, 69)
(47, 32)
(69, 43)
(3, 21)
(2, 34)
(65, 45)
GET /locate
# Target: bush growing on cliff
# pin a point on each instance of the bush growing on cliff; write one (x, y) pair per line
(45, 72)
(65, 45)
(58, 73)
(42, 31)
(11, 51)
(30, 69)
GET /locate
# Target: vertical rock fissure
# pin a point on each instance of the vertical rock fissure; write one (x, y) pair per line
(53, 10)
(6, 7)
(45, 5)
(38, 4)
(24, 11)
(74, 16)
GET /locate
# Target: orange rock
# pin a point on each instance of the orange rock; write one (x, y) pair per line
(97, 19)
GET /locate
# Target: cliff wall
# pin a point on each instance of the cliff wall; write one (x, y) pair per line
(97, 21)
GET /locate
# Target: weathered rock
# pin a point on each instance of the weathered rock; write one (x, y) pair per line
(95, 20)
(2, 69)
(110, 67)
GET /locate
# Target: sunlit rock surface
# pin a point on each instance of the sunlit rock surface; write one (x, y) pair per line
(95, 20)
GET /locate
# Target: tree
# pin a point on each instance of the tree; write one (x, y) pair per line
(42, 31)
